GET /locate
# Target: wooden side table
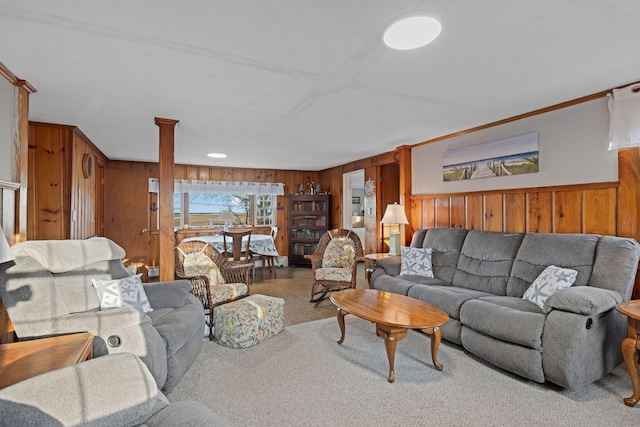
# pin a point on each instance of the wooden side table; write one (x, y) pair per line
(370, 261)
(631, 347)
(25, 359)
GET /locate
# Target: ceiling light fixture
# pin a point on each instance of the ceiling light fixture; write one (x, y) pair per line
(217, 155)
(412, 31)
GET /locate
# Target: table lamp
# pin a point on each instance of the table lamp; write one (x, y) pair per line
(227, 217)
(394, 215)
(6, 254)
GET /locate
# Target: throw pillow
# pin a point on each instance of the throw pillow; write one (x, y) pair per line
(122, 293)
(416, 262)
(548, 282)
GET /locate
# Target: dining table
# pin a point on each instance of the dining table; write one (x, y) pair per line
(261, 244)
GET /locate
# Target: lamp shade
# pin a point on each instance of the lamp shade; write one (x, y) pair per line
(394, 215)
(6, 254)
(226, 216)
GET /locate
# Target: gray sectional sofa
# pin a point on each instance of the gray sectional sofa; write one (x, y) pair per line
(479, 281)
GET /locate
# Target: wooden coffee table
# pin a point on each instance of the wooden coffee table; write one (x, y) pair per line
(394, 315)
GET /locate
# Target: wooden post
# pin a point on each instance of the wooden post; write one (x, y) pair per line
(404, 160)
(165, 197)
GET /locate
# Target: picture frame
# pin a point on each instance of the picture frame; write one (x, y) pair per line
(355, 200)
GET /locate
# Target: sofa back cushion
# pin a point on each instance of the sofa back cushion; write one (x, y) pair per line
(616, 265)
(538, 251)
(485, 261)
(445, 244)
(75, 286)
(30, 296)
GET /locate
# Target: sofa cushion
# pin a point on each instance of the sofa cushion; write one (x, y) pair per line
(615, 267)
(551, 279)
(445, 244)
(402, 284)
(509, 319)
(538, 251)
(485, 261)
(416, 262)
(447, 298)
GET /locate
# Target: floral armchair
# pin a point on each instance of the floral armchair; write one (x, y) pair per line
(334, 262)
(214, 279)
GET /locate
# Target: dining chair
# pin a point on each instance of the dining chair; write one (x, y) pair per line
(214, 279)
(237, 255)
(269, 260)
(334, 263)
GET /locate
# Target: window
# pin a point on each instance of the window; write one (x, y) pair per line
(202, 210)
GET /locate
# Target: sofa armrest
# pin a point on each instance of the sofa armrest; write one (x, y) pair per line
(391, 265)
(586, 300)
(111, 390)
(171, 294)
(99, 320)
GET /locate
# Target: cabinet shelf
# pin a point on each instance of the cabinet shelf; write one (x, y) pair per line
(308, 221)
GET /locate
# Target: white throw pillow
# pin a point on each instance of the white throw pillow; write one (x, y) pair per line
(126, 292)
(416, 262)
(549, 281)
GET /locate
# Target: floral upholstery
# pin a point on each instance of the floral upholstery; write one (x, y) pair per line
(249, 321)
(334, 274)
(226, 291)
(199, 264)
(339, 253)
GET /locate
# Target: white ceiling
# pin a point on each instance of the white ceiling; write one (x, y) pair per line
(303, 84)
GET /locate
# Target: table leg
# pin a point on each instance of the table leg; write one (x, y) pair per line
(436, 337)
(630, 354)
(340, 315)
(391, 337)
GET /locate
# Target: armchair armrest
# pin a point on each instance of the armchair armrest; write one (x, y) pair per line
(237, 273)
(316, 260)
(390, 265)
(171, 294)
(586, 300)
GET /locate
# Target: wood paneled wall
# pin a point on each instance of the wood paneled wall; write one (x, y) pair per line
(62, 202)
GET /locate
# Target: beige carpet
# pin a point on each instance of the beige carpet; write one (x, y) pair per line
(302, 377)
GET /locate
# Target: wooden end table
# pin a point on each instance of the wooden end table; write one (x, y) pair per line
(25, 359)
(631, 347)
(370, 261)
(394, 315)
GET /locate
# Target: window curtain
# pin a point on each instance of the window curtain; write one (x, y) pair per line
(624, 117)
(221, 187)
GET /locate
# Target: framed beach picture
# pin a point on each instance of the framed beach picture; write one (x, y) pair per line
(503, 157)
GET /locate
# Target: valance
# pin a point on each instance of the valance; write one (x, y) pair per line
(624, 117)
(221, 187)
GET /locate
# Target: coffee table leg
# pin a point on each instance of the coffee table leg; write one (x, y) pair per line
(340, 315)
(436, 337)
(630, 354)
(390, 342)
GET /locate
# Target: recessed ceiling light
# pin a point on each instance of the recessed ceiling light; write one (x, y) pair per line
(411, 32)
(217, 155)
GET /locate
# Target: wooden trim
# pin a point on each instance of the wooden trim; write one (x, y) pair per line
(548, 189)
(544, 110)
(14, 80)
(9, 185)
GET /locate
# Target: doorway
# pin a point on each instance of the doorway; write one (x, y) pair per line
(353, 202)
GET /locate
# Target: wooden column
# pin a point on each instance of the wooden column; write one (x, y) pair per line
(404, 161)
(23, 89)
(165, 197)
(629, 199)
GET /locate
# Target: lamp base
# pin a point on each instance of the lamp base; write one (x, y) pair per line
(394, 244)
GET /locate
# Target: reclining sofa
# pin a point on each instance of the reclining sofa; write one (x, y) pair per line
(480, 278)
(48, 291)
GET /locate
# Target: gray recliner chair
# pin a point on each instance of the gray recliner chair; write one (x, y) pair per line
(114, 390)
(48, 290)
